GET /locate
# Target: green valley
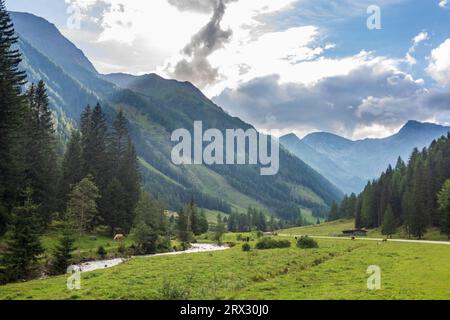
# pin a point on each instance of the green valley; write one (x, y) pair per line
(154, 108)
(336, 270)
(118, 183)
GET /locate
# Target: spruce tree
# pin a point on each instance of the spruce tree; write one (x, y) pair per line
(124, 168)
(389, 224)
(203, 222)
(191, 209)
(150, 212)
(115, 206)
(119, 140)
(219, 230)
(62, 255)
(184, 227)
(150, 227)
(86, 141)
(334, 212)
(418, 219)
(343, 207)
(129, 179)
(94, 131)
(41, 152)
(13, 114)
(272, 223)
(99, 164)
(261, 224)
(23, 244)
(96, 161)
(300, 221)
(233, 225)
(146, 239)
(368, 206)
(444, 208)
(398, 186)
(72, 168)
(351, 209)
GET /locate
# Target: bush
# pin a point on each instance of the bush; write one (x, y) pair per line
(230, 244)
(246, 247)
(148, 241)
(269, 243)
(173, 291)
(185, 246)
(307, 243)
(62, 255)
(122, 249)
(164, 244)
(101, 252)
(239, 237)
(259, 234)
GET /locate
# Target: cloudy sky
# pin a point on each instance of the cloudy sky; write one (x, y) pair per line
(285, 65)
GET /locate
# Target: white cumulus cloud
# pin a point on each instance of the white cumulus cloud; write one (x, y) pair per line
(439, 67)
(132, 36)
(416, 41)
(373, 97)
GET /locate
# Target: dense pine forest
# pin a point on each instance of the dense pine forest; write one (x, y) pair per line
(90, 183)
(415, 195)
(95, 182)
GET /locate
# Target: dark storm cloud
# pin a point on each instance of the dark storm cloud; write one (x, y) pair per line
(338, 104)
(196, 67)
(210, 37)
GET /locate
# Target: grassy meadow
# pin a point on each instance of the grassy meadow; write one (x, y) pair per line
(335, 270)
(86, 245)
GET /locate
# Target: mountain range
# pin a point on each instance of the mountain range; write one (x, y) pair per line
(350, 164)
(154, 108)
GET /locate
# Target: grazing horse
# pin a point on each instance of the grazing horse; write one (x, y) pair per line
(119, 237)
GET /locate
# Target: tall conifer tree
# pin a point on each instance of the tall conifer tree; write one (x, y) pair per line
(72, 168)
(41, 152)
(94, 130)
(23, 244)
(115, 205)
(13, 114)
(184, 229)
(444, 208)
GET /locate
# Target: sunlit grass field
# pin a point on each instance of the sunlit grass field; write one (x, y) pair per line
(336, 270)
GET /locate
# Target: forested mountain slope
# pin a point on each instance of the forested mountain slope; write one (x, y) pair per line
(154, 107)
